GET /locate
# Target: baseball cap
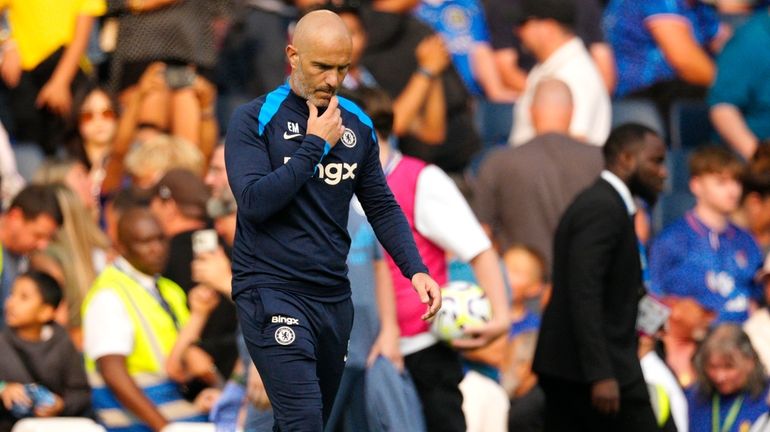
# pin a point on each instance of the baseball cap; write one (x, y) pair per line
(186, 189)
(562, 11)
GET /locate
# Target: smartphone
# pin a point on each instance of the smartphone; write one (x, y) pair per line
(179, 76)
(205, 241)
(653, 314)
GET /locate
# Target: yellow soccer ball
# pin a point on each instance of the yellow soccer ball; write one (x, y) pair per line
(463, 305)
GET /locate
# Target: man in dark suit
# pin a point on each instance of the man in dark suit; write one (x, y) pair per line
(586, 355)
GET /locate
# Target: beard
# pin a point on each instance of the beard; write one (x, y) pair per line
(307, 91)
(640, 188)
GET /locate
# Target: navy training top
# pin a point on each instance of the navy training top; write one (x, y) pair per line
(293, 193)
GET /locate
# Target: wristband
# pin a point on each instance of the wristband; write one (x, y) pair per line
(3, 384)
(430, 75)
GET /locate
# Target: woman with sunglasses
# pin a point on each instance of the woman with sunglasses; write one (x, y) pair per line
(94, 125)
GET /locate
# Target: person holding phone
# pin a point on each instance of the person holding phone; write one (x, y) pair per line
(294, 159)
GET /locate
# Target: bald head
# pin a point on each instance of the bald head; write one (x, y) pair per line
(319, 55)
(141, 241)
(551, 108)
(318, 28)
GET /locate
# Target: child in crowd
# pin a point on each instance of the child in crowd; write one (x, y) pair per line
(527, 277)
(703, 255)
(512, 353)
(41, 373)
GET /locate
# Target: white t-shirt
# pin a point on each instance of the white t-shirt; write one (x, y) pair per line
(107, 327)
(757, 327)
(12, 182)
(443, 216)
(592, 111)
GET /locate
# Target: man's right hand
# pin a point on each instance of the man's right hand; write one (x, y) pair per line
(429, 292)
(605, 396)
(328, 126)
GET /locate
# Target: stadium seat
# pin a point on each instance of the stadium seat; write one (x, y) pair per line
(689, 124)
(190, 427)
(58, 424)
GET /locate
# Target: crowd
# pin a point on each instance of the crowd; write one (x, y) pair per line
(500, 125)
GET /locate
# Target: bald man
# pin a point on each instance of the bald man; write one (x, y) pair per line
(541, 176)
(131, 319)
(294, 159)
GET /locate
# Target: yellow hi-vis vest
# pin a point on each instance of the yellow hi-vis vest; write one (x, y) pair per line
(154, 336)
(660, 402)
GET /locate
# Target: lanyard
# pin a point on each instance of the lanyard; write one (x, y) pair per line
(732, 414)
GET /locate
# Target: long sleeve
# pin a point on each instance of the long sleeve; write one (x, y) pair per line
(77, 393)
(386, 216)
(590, 252)
(259, 190)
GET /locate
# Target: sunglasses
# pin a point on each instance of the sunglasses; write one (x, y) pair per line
(87, 116)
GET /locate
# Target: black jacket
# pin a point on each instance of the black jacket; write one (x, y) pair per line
(588, 329)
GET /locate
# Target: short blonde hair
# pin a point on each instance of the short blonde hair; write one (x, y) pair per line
(162, 153)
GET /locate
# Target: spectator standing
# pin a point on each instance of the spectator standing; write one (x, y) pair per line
(541, 176)
(41, 374)
(703, 255)
(441, 222)
(597, 284)
(42, 63)
(420, 108)
(546, 29)
(514, 61)
(179, 34)
(463, 26)
(740, 96)
(663, 52)
(395, 33)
